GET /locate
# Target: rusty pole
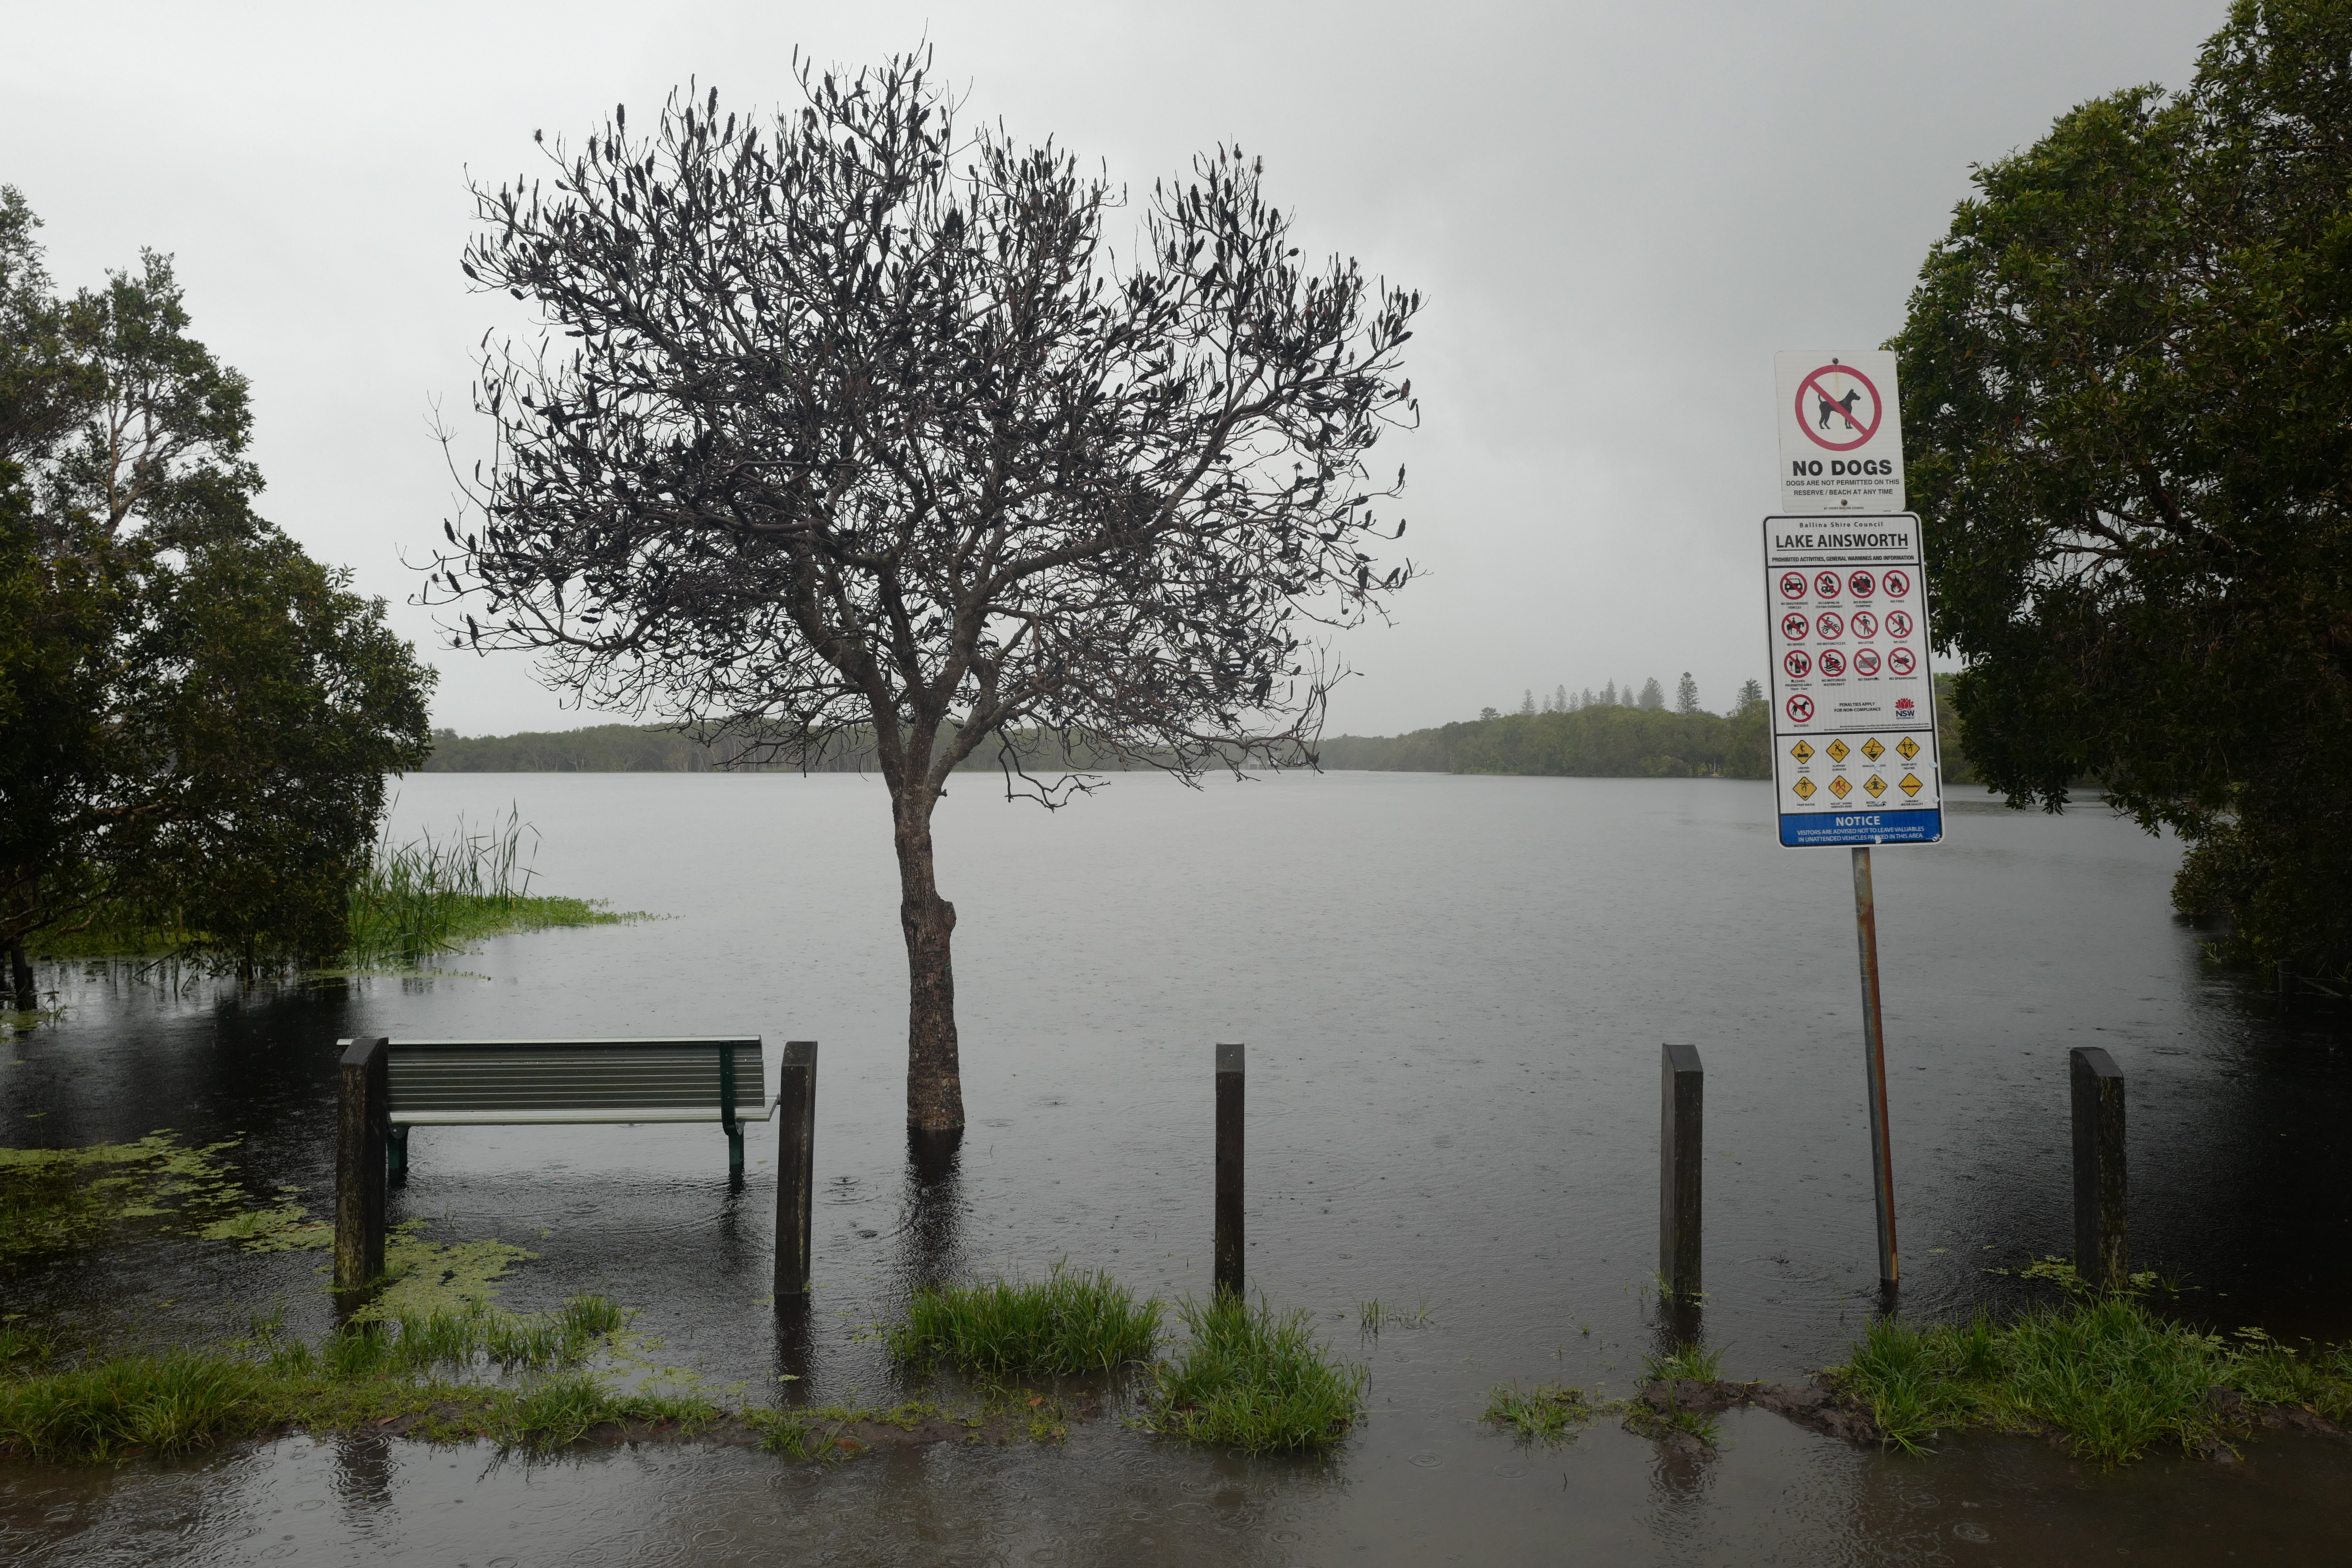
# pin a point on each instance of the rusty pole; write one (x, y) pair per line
(1882, 1153)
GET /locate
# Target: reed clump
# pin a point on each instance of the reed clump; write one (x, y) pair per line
(1072, 1320)
(1253, 1379)
(434, 895)
(2102, 1371)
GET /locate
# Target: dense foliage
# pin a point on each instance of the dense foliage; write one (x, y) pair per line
(196, 719)
(2127, 396)
(1584, 742)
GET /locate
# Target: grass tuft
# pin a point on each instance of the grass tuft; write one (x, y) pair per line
(1374, 1315)
(163, 1405)
(1071, 1321)
(1690, 1360)
(2105, 1372)
(1547, 1413)
(1253, 1379)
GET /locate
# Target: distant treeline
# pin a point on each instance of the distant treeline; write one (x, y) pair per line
(1595, 741)
(1582, 743)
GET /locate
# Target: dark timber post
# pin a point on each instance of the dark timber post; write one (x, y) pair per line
(795, 1169)
(1874, 1040)
(2100, 1238)
(1682, 1097)
(727, 1122)
(1229, 1169)
(361, 1125)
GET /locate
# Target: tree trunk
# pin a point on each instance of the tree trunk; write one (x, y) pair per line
(934, 1077)
(20, 978)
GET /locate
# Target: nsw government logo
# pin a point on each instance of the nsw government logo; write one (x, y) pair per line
(1903, 707)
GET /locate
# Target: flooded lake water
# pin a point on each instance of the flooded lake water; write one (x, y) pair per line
(1452, 990)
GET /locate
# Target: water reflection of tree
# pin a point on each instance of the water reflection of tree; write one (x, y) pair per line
(932, 1208)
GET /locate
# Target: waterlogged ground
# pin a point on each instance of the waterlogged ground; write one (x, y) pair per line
(1452, 991)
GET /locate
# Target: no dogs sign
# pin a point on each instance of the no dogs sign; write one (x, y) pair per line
(1841, 432)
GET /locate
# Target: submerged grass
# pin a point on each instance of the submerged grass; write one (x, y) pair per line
(1253, 1379)
(2106, 1373)
(57, 1200)
(1071, 1321)
(1545, 1412)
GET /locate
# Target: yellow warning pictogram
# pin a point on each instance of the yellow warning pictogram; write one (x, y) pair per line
(1840, 788)
(1873, 750)
(1802, 751)
(1908, 747)
(1911, 785)
(1804, 788)
(1875, 785)
(1837, 751)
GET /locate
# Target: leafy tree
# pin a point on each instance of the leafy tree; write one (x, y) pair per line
(1686, 694)
(860, 426)
(2128, 370)
(1653, 696)
(198, 719)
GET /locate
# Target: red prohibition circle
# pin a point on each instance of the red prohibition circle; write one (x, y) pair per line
(1831, 625)
(1865, 661)
(1864, 624)
(1792, 584)
(1794, 625)
(1897, 584)
(1832, 663)
(1800, 708)
(1900, 662)
(1798, 663)
(1898, 625)
(1877, 408)
(1825, 587)
(1860, 586)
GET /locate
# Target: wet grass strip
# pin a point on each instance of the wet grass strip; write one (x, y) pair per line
(2104, 1374)
(1253, 1379)
(1072, 1320)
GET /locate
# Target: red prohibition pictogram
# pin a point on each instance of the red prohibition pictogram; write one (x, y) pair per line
(1897, 584)
(1898, 625)
(1865, 661)
(1831, 625)
(1794, 625)
(1800, 708)
(1792, 584)
(1860, 586)
(1798, 663)
(1832, 663)
(1900, 662)
(1832, 410)
(1864, 624)
(1825, 587)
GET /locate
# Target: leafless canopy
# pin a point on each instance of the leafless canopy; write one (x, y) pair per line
(856, 418)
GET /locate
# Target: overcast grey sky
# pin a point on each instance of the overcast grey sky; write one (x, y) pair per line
(1618, 211)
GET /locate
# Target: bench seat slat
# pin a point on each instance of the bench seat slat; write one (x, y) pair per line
(461, 1082)
(616, 1116)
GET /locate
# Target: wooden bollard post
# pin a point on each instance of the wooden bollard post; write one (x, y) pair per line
(1681, 1103)
(1229, 1169)
(795, 1169)
(2101, 1239)
(362, 1122)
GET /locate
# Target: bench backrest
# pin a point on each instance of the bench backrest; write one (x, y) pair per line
(679, 1079)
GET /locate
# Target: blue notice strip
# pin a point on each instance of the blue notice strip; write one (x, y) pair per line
(1826, 827)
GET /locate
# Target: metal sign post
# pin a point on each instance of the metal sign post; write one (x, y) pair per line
(1855, 760)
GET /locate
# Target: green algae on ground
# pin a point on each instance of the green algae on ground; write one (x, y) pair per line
(56, 1199)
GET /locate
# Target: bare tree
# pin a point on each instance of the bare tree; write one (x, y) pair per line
(860, 424)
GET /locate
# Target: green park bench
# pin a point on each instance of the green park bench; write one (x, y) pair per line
(385, 1086)
(483, 1083)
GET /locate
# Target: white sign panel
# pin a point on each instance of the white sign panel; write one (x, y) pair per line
(1841, 431)
(1853, 702)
